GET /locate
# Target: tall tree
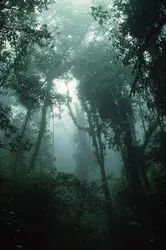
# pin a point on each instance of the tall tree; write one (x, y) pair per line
(83, 150)
(58, 59)
(95, 131)
(51, 66)
(19, 32)
(105, 87)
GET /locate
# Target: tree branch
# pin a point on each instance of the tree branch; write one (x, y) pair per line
(72, 114)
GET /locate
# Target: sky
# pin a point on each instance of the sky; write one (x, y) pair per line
(82, 3)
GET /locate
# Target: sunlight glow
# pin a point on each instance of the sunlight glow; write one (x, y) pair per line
(91, 36)
(110, 5)
(81, 3)
(62, 89)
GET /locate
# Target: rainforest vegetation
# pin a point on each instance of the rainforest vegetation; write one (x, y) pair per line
(83, 124)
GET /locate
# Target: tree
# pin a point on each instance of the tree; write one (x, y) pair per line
(105, 87)
(147, 49)
(83, 150)
(19, 29)
(51, 66)
(8, 130)
(19, 33)
(55, 61)
(95, 131)
(141, 42)
(29, 89)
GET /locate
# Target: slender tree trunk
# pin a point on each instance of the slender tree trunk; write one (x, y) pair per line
(53, 139)
(148, 134)
(39, 137)
(132, 169)
(102, 170)
(25, 125)
(82, 155)
(42, 128)
(106, 188)
(99, 152)
(145, 179)
(142, 118)
(19, 151)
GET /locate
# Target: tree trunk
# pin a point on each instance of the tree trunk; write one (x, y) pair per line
(82, 155)
(99, 152)
(19, 151)
(133, 171)
(42, 128)
(53, 139)
(145, 179)
(39, 137)
(142, 117)
(102, 170)
(132, 168)
(106, 189)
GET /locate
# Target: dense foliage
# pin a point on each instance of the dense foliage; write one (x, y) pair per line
(117, 57)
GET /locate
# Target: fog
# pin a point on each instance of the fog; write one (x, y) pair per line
(75, 34)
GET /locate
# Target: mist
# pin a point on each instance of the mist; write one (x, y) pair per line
(82, 124)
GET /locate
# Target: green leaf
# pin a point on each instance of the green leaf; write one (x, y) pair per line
(101, 21)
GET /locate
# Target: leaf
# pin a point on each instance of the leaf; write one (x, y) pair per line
(101, 21)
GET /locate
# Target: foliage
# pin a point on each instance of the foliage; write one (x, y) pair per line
(141, 41)
(29, 90)
(5, 123)
(104, 89)
(19, 32)
(48, 207)
(19, 29)
(41, 209)
(157, 150)
(8, 130)
(103, 86)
